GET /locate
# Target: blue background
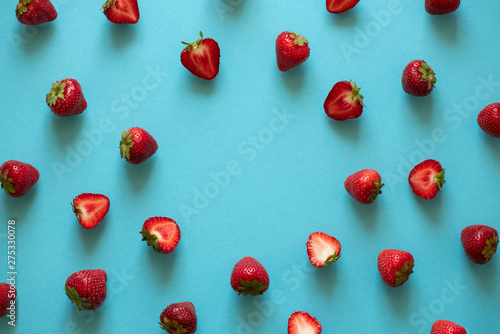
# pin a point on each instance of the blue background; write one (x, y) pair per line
(286, 186)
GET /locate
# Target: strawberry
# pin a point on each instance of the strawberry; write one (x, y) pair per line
(161, 233)
(65, 98)
(34, 12)
(418, 78)
(480, 242)
(179, 318)
(249, 277)
(364, 186)
(202, 57)
(121, 11)
(137, 145)
(303, 323)
(291, 50)
(17, 178)
(87, 288)
(489, 119)
(344, 101)
(7, 297)
(427, 178)
(395, 266)
(340, 6)
(447, 327)
(90, 209)
(440, 7)
(322, 249)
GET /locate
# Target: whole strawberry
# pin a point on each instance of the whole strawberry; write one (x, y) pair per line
(489, 119)
(179, 318)
(249, 277)
(364, 186)
(17, 178)
(7, 296)
(344, 101)
(441, 7)
(291, 50)
(480, 242)
(418, 78)
(65, 98)
(427, 178)
(202, 58)
(447, 327)
(161, 233)
(87, 288)
(395, 266)
(34, 12)
(137, 145)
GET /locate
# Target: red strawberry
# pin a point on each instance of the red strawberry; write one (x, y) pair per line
(90, 209)
(202, 57)
(65, 98)
(87, 288)
(440, 7)
(364, 186)
(179, 318)
(489, 119)
(161, 233)
(340, 6)
(395, 266)
(34, 12)
(322, 249)
(427, 178)
(447, 327)
(8, 295)
(121, 11)
(291, 50)
(17, 178)
(418, 78)
(249, 277)
(137, 145)
(303, 323)
(344, 101)
(480, 242)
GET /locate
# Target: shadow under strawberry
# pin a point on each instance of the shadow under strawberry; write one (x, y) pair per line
(350, 128)
(293, 79)
(121, 35)
(139, 176)
(446, 26)
(162, 265)
(202, 86)
(347, 19)
(485, 275)
(89, 238)
(34, 38)
(83, 321)
(422, 107)
(18, 208)
(326, 279)
(399, 298)
(368, 214)
(66, 129)
(432, 208)
(492, 144)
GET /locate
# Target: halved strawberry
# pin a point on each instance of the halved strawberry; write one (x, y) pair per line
(90, 209)
(322, 249)
(427, 178)
(303, 323)
(161, 233)
(121, 11)
(344, 101)
(340, 6)
(202, 57)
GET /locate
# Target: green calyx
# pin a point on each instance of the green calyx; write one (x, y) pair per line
(195, 45)
(355, 95)
(56, 92)
(77, 211)
(403, 274)
(253, 287)
(125, 144)
(80, 302)
(439, 179)
(169, 325)
(297, 39)
(427, 74)
(332, 258)
(108, 4)
(22, 7)
(151, 239)
(376, 191)
(491, 248)
(7, 184)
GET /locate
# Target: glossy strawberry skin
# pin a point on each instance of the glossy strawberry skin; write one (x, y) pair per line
(364, 186)
(35, 12)
(179, 318)
(447, 327)
(87, 288)
(137, 145)
(441, 7)
(418, 78)
(291, 50)
(480, 242)
(489, 119)
(249, 277)
(17, 178)
(8, 294)
(395, 266)
(65, 98)
(202, 58)
(340, 6)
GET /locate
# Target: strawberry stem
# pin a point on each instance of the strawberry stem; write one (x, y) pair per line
(80, 302)
(376, 191)
(439, 179)
(125, 144)
(491, 248)
(427, 74)
(355, 95)
(297, 39)
(194, 45)
(56, 92)
(6, 183)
